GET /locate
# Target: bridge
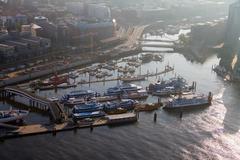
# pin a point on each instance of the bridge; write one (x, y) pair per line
(56, 110)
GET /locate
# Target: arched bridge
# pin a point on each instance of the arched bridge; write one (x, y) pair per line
(35, 101)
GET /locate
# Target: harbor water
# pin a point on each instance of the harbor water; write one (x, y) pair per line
(211, 133)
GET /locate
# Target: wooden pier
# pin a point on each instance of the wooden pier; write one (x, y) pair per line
(37, 129)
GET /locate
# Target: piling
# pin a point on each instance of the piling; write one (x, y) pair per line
(54, 133)
(155, 117)
(91, 128)
(75, 130)
(181, 115)
(159, 100)
(137, 115)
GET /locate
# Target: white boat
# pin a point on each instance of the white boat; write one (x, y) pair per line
(53, 99)
(140, 94)
(13, 115)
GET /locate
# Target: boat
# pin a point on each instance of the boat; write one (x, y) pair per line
(53, 99)
(140, 94)
(116, 111)
(56, 80)
(172, 86)
(108, 67)
(133, 78)
(158, 58)
(131, 69)
(127, 104)
(147, 107)
(114, 91)
(13, 116)
(106, 98)
(189, 102)
(100, 75)
(79, 94)
(83, 115)
(87, 107)
(75, 101)
(130, 87)
(120, 89)
(146, 58)
(73, 75)
(170, 91)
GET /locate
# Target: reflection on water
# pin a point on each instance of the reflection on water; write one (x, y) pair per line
(211, 133)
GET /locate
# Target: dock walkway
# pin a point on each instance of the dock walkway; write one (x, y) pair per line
(36, 101)
(166, 70)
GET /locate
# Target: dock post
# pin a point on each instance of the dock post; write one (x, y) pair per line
(75, 130)
(91, 128)
(54, 132)
(159, 100)
(137, 115)
(155, 117)
(181, 115)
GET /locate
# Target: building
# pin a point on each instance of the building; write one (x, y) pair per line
(13, 21)
(233, 25)
(15, 46)
(89, 11)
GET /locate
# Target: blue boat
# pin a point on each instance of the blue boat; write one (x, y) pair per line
(82, 115)
(173, 86)
(87, 107)
(125, 104)
(79, 94)
(113, 91)
(118, 90)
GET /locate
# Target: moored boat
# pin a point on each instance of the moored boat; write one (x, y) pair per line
(171, 87)
(87, 107)
(13, 116)
(79, 94)
(106, 98)
(120, 89)
(189, 102)
(125, 104)
(140, 94)
(83, 115)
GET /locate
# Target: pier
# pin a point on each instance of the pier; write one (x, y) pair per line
(37, 129)
(166, 70)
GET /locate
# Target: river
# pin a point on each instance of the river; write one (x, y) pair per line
(211, 133)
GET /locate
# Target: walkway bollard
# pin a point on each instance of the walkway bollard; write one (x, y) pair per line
(155, 117)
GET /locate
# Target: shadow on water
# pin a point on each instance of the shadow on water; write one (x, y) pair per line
(231, 100)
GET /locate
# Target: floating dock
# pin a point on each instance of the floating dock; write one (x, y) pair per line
(37, 129)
